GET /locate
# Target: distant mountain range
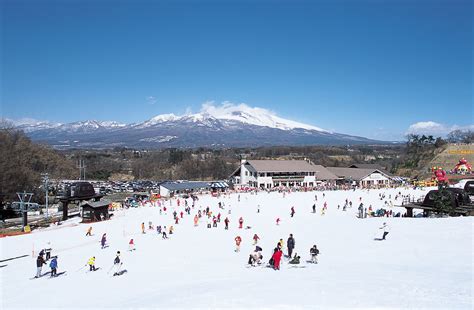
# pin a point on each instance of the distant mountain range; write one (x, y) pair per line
(234, 128)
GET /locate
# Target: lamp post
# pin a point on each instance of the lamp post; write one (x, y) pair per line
(46, 187)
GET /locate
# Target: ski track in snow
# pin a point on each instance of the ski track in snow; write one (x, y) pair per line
(424, 263)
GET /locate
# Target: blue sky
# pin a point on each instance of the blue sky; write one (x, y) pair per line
(369, 68)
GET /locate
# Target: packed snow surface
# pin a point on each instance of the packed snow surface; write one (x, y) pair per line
(424, 263)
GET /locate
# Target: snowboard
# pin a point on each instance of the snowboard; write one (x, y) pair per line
(310, 262)
(119, 273)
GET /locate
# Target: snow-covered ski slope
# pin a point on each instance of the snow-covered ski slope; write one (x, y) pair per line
(424, 263)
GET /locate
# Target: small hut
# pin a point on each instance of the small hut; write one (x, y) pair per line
(95, 211)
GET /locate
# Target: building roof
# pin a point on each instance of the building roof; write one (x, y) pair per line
(368, 166)
(281, 165)
(322, 173)
(175, 186)
(98, 204)
(353, 173)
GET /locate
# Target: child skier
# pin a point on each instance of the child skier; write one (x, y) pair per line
(241, 222)
(314, 253)
(53, 265)
(89, 231)
(103, 240)
(255, 239)
(131, 245)
(91, 263)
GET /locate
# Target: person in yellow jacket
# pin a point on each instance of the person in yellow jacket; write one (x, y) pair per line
(143, 228)
(91, 263)
(281, 244)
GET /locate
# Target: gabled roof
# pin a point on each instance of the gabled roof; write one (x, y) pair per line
(354, 173)
(98, 204)
(367, 166)
(322, 173)
(281, 165)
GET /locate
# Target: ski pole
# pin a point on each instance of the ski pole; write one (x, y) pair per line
(110, 269)
(81, 268)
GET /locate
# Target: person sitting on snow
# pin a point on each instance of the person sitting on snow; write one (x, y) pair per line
(295, 260)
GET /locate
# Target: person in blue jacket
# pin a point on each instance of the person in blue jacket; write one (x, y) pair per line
(54, 265)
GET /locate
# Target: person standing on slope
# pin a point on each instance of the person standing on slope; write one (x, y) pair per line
(276, 259)
(292, 211)
(314, 253)
(241, 222)
(91, 263)
(39, 265)
(131, 245)
(117, 263)
(103, 240)
(255, 239)
(54, 266)
(386, 230)
(89, 231)
(226, 222)
(291, 245)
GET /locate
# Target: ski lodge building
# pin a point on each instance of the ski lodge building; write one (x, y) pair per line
(273, 173)
(363, 177)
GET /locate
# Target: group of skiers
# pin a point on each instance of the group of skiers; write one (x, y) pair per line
(40, 261)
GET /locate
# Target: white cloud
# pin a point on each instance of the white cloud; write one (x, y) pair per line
(151, 100)
(435, 129)
(227, 108)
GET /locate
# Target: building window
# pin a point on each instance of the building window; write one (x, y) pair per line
(246, 173)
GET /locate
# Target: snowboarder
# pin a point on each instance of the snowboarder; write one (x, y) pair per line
(255, 239)
(276, 259)
(314, 253)
(103, 240)
(238, 240)
(386, 230)
(89, 231)
(241, 222)
(54, 266)
(291, 245)
(131, 245)
(117, 264)
(295, 260)
(226, 222)
(39, 265)
(91, 263)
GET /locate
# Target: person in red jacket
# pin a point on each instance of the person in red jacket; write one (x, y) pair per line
(241, 222)
(131, 245)
(276, 259)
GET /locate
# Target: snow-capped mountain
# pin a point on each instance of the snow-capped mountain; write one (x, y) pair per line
(226, 125)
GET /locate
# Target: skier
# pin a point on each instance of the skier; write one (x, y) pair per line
(143, 227)
(292, 211)
(314, 208)
(103, 240)
(48, 250)
(226, 222)
(255, 239)
(196, 219)
(291, 245)
(131, 245)
(89, 231)
(54, 266)
(164, 235)
(181, 214)
(386, 230)
(278, 221)
(158, 229)
(241, 222)
(39, 265)
(276, 259)
(238, 240)
(171, 230)
(214, 221)
(280, 244)
(91, 263)
(117, 264)
(208, 222)
(314, 253)
(176, 220)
